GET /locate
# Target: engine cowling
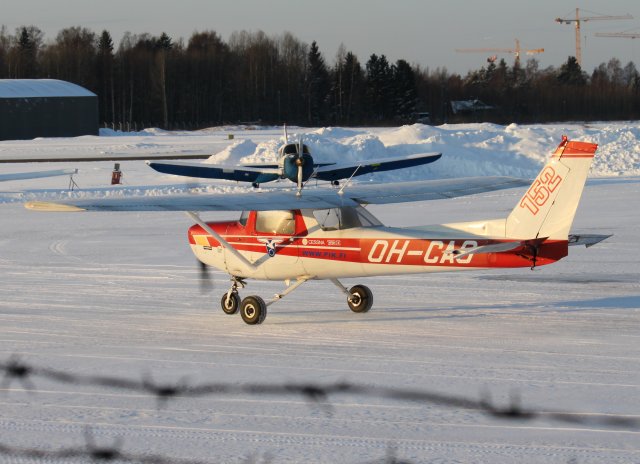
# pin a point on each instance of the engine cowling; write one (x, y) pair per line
(290, 167)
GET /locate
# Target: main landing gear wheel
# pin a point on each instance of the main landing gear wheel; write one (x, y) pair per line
(253, 310)
(230, 306)
(360, 299)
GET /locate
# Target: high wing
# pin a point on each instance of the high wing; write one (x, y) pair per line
(324, 171)
(280, 199)
(344, 171)
(218, 171)
(36, 174)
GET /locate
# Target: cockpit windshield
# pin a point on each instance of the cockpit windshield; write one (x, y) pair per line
(345, 217)
(293, 148)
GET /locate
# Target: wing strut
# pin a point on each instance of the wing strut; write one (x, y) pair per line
(249, 265)
(340, 192)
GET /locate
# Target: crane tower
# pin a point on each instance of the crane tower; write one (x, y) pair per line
(578, 20)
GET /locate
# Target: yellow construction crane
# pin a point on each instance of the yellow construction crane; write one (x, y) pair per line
(577, 20)
(623, 35)
(517, 51)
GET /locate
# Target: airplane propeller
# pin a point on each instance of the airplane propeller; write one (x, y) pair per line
(300, 163)
(206, 283)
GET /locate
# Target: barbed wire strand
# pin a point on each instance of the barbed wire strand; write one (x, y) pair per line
(316, 394)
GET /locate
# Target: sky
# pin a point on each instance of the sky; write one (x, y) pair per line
(423, 32)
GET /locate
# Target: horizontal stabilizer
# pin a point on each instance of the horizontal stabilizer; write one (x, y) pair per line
(588, 240)
(484, 249)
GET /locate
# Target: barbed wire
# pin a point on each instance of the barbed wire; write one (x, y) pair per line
(15, 370)
(92, 453)
(317, 394)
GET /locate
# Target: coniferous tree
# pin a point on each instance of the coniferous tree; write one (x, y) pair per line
(25, 52)
(105, 76)
(404, 86)
(355, 89)
(571, 74)
(318, 86)
(164, 44)
(337, 91)
(5, 46)
(379, 88)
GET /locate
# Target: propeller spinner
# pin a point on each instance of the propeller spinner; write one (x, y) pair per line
(297, 163)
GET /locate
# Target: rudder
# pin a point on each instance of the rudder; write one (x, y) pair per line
(547, 209)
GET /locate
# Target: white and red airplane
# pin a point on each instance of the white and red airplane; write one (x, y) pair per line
(326, 234)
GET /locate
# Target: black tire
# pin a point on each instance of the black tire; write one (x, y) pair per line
(361, 299)
(234, 303)
(253, 310)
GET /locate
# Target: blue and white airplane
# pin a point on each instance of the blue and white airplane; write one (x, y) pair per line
(294, 163)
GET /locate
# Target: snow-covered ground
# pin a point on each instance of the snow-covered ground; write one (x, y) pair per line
(118, 294)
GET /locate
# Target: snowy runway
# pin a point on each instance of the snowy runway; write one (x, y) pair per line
(118, 294)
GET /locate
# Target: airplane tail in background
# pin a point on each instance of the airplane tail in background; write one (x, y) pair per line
(547, 209)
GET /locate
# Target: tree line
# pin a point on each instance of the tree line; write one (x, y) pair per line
(255, 78)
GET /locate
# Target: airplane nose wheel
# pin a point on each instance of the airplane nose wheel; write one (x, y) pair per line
(230, 301)
(360, 299)
(253, 310)
(230, 305)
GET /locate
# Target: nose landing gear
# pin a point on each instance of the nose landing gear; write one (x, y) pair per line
(231, 300)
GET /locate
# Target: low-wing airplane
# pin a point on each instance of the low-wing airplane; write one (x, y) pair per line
(296, 164)
(324, 234)
(37, 174)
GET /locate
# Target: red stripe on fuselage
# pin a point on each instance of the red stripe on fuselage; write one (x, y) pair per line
(395, 251)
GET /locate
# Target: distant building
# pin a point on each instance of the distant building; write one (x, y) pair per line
(31, 108)
(469, 106)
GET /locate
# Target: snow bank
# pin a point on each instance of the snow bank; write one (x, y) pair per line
(468, 149)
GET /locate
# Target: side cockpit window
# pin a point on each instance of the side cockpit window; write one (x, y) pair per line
(275, 222)
(345, 218)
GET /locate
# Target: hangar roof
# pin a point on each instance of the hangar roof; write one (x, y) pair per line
(39, 88)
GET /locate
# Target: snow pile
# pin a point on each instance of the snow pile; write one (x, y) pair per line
(468, 149)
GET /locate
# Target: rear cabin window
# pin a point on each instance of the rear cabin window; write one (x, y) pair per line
(244, 217)
(345, 218)
(275, 222)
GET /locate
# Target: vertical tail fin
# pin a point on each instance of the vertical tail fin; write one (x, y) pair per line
(547, 209)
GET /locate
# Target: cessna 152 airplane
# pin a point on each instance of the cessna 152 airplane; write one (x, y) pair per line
(296, 164)
(325, 234)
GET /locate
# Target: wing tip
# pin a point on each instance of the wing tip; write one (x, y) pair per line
(49, 206)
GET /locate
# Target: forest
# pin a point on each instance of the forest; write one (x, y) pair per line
(253, 78)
